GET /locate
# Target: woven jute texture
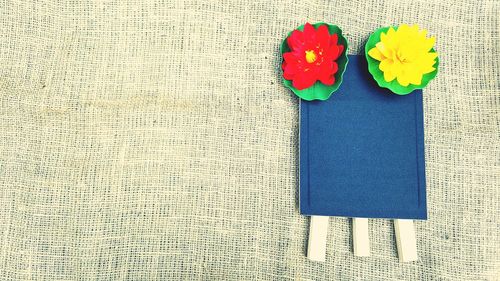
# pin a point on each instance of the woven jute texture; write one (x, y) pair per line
(154, 140)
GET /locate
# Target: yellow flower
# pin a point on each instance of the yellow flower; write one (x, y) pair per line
(405, 54)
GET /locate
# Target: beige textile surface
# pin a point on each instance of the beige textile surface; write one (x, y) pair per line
(144, 140)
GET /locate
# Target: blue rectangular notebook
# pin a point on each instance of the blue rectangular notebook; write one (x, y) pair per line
(362, 151)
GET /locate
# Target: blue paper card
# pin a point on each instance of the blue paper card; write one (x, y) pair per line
(362, 151)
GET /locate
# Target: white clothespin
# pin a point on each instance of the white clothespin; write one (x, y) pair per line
(318, 230)
(360, 237)
(405, 240)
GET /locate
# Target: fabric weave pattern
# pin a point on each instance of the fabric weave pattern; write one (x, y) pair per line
(154, 140)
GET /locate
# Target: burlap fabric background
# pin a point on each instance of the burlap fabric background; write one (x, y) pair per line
(144, 140)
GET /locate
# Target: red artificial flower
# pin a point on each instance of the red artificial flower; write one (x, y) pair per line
(312, 57)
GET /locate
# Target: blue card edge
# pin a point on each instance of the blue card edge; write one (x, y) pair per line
(420, 142)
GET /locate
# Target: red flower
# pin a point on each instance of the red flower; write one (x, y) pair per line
(312, 57)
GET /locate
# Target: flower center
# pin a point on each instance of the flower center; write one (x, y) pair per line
(400, 56)
(310, 56)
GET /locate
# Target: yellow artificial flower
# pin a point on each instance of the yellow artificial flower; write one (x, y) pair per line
(405, 54)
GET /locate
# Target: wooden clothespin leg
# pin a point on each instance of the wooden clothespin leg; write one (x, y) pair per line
(318, 230)
(360, 237)
(405, 240)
